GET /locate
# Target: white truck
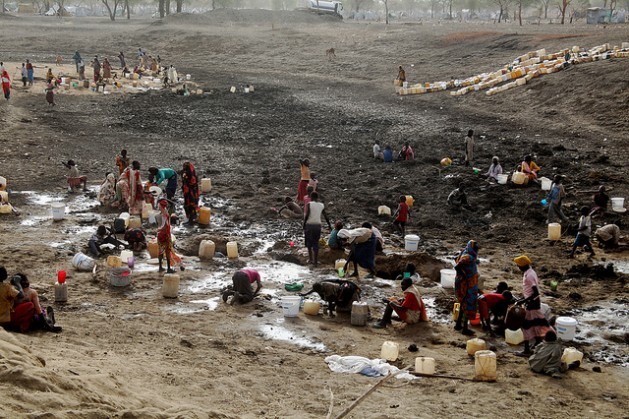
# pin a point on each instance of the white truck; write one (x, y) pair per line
(333, 6)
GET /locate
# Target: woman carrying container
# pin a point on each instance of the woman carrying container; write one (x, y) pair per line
(466, 286)
(535, 324)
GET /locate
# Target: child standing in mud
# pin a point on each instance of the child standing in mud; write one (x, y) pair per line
(401, 215)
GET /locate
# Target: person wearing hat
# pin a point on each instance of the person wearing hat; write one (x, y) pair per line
(410, 308)
(535, 324)
(74, 179)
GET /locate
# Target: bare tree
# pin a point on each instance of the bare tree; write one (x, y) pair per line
(386, 11)
(504, 9)
(108, 4)
(161, 9)
(544, 5)
(179, 6)
(563, 6)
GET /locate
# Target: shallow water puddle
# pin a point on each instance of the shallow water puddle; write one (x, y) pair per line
(279, 333)
(210, 303)
(620, 266)
(434, 313)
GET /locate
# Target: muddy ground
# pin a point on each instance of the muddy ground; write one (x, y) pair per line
(130, 353)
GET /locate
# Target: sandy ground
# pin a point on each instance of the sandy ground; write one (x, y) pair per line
(130, 353)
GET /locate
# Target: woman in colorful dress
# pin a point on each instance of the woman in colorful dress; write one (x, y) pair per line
(107, 192)
(6, 84)
(535, 323)
(165, 241)
(190, 188)
(135, 194)
(466, 286)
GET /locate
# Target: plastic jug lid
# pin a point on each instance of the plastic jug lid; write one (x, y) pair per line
(407, 274)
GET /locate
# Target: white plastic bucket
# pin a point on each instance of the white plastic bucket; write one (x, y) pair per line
(618, 203)
(546, 183)
(188, 77)
(82, 262)
(290, 306)
(566, 328)
(502, 179)
(58, 211)
(447, 278)
(411, 241)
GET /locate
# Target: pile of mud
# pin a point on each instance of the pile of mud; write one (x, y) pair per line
(254, 17)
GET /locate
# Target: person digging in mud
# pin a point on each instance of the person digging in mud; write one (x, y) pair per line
(555, 198)
(333, 241)
(290, 209)
(458, 199)
(535, 325)
(165, 241)
(136, 239)
(362, 243)
(495, 304)
(102, 236)
(466, 286)
(378, 234)
(43, 319)
(469, 147)
(410, 308)
(74, 179)
(584, 231)
(312, 227)
(530, 168)
(608, 236)
(401, 215)
(547, 357)
(241, 290)
(165, 175)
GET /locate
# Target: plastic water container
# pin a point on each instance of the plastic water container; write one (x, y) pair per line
(114, 261)
(518, 178)
(474, 345)
(340, 263)
(3, 183)
(456, 309)
(502, 179)
(120, 277)
(425, 365)
(246, 89)
(4, 197)
(125, 216)
(6, 209)
(146, 210)
(409, 201)
(485, 365)
(83, 262)
(571, 355)
(58, 211)
(232, 250)
(554, 231)
(360, 314)
(411, 241)
(204, 215)
(135, 222)
(390, 350)
(312, 308)
(206, 185)
(546, 183)
(170, 286)
(384, 210)
(514, 337)
(206, 249)
(290, 305)
(61, 292)
(153, 248)
(232, 89)
(566, 328)
(618, 203)
(447, 278)
(125, 255)
(188, 77)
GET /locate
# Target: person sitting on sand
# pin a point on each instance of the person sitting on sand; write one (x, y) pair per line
(362, 243)
(74, 179)
(458, 199)
(608, 236)
(494, 170)
(241, 291)
(377, 153)
(102, 236)
(333, 241)
(530, 169)
(410, 308)
(107, 191)
(407, 152)
(290, 209)
(8, 295)
(43, 319)
(547, 357)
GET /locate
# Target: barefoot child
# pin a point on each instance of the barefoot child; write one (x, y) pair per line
(74, 179)
(401, 215)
